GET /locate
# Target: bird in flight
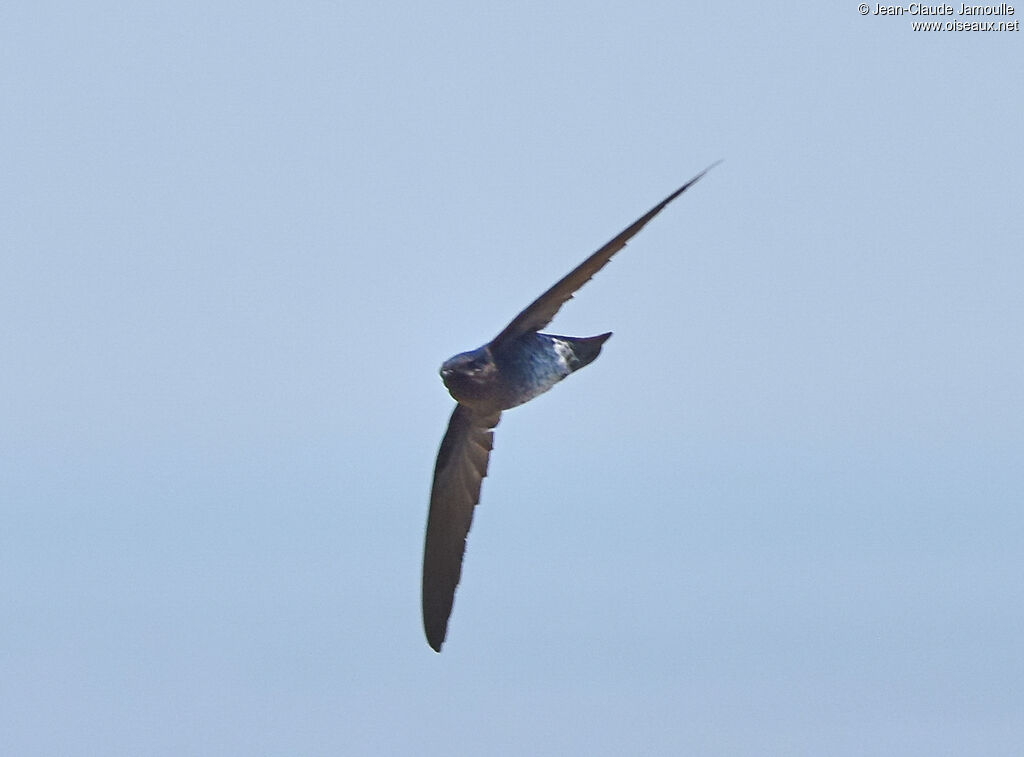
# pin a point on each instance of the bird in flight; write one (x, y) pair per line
(513, 368)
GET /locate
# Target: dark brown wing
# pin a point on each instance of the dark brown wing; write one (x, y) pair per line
(543, 309)
(460, 469)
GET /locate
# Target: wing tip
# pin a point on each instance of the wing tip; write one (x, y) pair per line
(690, 183)
(435, 634)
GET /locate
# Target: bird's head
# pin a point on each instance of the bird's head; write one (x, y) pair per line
(470, 376)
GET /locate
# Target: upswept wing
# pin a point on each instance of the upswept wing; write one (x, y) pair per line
(460, 469)
(540, 312)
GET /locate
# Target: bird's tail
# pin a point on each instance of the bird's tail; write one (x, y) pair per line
(586, 348)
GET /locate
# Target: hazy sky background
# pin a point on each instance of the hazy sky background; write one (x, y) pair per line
(781, 514)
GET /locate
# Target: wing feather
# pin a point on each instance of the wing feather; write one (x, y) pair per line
(458, 474)
(540, 312)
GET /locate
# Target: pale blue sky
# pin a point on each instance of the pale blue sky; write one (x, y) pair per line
(780, 515)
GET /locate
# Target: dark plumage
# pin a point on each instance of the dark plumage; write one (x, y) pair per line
(511, 369)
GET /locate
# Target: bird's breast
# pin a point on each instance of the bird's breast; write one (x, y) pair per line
(534, 364)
